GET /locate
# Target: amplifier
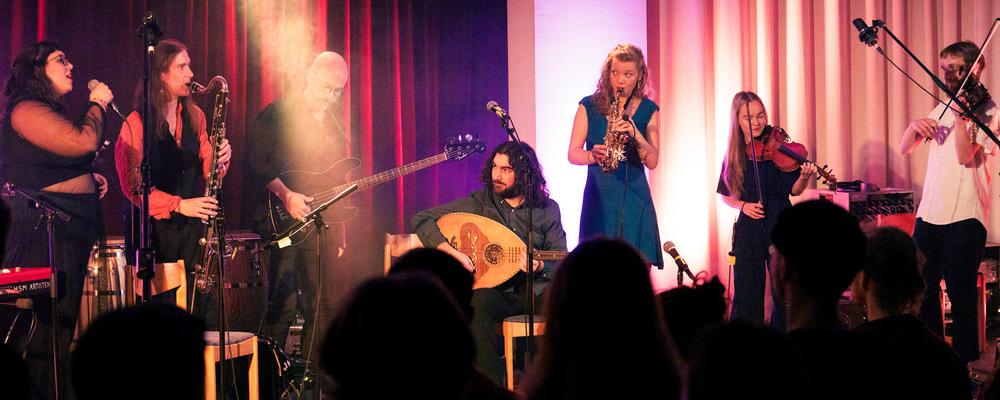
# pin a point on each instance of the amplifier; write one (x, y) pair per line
(886, 207)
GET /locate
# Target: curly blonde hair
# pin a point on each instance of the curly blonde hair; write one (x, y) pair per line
(623, 53)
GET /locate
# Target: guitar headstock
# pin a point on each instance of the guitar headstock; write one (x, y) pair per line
(461, 146)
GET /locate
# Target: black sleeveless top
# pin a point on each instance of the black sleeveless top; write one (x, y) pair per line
(173, 169)
(29, 166)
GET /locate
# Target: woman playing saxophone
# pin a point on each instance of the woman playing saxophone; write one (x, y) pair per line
(617, 201)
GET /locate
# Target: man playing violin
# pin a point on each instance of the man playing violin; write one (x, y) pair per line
(950, 228)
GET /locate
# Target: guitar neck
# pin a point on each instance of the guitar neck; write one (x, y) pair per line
(385, 176)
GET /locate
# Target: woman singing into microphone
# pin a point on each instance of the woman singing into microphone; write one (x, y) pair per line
(752, 231)
(49, 157)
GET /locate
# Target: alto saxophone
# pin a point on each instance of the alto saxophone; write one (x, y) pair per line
(614, 140)
(204, 278)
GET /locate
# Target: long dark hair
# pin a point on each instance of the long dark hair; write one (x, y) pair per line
(525, 162)
(28, 79)
(163, 57)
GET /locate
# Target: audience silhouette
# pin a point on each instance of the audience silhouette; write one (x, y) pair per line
(458, 281)
(151, 351)
(401, 336)
(689, 309)
(742, 360)
(891, 288)
(605, 336)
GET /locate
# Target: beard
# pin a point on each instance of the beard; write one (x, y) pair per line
(952, 85)
(509, 192)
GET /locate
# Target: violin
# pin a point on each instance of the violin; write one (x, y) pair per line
(775, 145)
(975, 94)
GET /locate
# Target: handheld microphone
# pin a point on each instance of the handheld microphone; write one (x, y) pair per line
(495, 108)
(867, 33)
(92, 84)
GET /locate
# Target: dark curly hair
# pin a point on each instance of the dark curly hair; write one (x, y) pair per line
(27, 77)
(522, 157)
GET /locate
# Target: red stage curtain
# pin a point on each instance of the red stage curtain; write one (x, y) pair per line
(420, 73)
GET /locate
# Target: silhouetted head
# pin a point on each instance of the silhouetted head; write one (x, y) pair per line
(687, 310)
(891, 273)
(604, 333)
(442, 266)
(401, 336)
(820, 249)
(139, 347)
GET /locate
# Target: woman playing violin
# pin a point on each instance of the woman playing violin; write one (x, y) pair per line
(758, 210)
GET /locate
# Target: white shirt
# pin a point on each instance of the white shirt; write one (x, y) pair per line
(954, 192)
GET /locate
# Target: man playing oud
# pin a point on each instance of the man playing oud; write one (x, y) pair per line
(504, 199)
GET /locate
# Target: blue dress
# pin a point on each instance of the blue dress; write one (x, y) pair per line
(619, 204)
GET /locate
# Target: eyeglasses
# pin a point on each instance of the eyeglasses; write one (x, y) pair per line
(327, 89)
(60, 59)
(960, 68)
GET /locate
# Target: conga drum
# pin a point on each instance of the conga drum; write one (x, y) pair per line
(245, 285)
(105, 282)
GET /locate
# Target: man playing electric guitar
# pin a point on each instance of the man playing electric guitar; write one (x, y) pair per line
(504, 198)
(300, 133)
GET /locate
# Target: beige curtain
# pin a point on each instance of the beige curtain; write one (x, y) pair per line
(818, 81)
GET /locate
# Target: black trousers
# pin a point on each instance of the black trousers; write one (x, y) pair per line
(953, 252)
(27, 245)
(490, 307)
(309, 278)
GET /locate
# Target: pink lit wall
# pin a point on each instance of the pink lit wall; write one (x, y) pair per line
(569, 40)
(830, 92)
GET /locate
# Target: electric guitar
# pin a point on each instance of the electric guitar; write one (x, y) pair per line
(280, 220)
(497, 252)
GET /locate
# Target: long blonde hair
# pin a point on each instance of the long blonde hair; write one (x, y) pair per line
(624, 53)
(736, 152)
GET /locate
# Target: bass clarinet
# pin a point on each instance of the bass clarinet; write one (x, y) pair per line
(204, 270)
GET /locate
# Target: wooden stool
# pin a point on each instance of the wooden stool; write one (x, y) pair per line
(515, 327)
(167, 276)
(397, 245)
(237, 344)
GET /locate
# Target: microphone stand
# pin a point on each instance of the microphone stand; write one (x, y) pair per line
(529, 290)
(48, 213)
(284, 239)
(876, 24)
(220, 231)
(145, 254)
